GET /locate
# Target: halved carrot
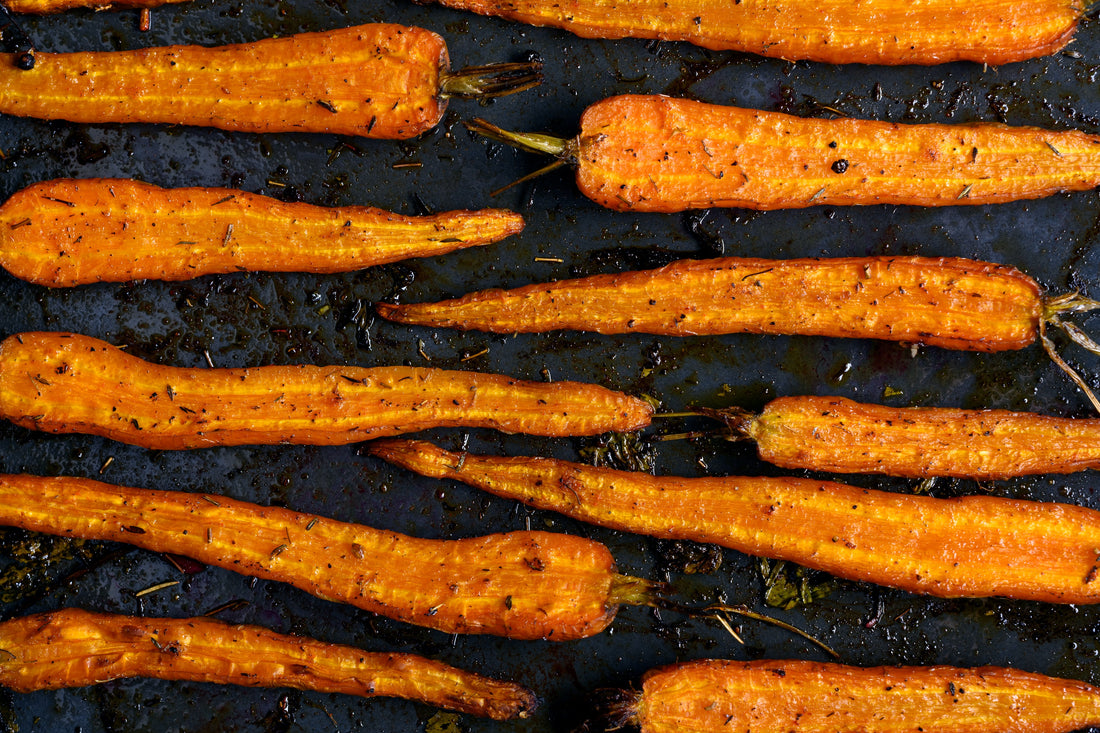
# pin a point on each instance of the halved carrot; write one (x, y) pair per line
(65, 383)
(768, 696)
(73, 648)
(655, 153)
(833, 31)
(70, 232)
(380, 80)
(971, 547)
(838, 435)
(523, 585)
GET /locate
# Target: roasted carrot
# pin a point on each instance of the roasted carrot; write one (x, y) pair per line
(381, 80)
(832, 31)
(523, 585)
(838, 435)
(654, 153)
(45, 7)
(769, 696)
(73, 648)
(971, 547)
(70, 232)
(66, 383)
(949, 302)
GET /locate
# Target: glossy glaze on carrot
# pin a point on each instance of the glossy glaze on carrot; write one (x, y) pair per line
(832, 31)
(970, 547)
(781, 696)
(378, 80)
(523, 585)
(838, 435)
(70, 232)
(660, 154)
(68, 383)
(73, 648)
(948, 302)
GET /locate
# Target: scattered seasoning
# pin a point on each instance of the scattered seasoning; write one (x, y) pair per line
(311, 523)
(966, 191)
(155, 588)
(229, 606)
(228, 234)
(471, 357)
(210, 500)
(278, 551)
(6, 656)
(410, 164)
(209, 535)
(840, 166)
(156, 643)
(557, 260)
(18, 224)
(1053, 149)
(206, 353)
(70, 204)
(327, 105)
(108, 462)
(221, 201)
(258, 303)
(817, 195)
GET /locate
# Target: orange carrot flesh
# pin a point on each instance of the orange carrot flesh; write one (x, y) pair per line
(71, 232)
(653, 153)
(839, 435)
(948, 302)
(377, 80)
(523, 585)
(781, 696)
(971, 547)
(832, 31)
(73, 648)
(65, 383)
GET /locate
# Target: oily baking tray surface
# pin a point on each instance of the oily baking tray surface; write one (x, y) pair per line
(252, 319)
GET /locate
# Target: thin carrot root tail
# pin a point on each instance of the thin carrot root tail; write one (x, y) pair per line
(492, 80)
(1054, 310)
(614, 708)
(627, 590)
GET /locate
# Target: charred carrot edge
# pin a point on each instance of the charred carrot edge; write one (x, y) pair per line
(971, 547)
(811, 697)
(73, 648)
(66, 383)
(841, 436)
(949, 302)
(833, 31)
(523, 585)
(659, 154)
(70, 232)
(379, 80)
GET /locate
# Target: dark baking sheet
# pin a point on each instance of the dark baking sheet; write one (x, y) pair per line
(252, 319)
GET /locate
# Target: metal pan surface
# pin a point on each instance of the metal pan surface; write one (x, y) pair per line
(251, 319)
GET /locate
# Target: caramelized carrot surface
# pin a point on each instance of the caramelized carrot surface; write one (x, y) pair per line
(660, 154)
(971, 547)
(838, 435)
(523, 585)
(769, 696)
(833, 31)
(72, 648)
(70, 232)
(380, 80)
(948, 302)
(68, 383)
